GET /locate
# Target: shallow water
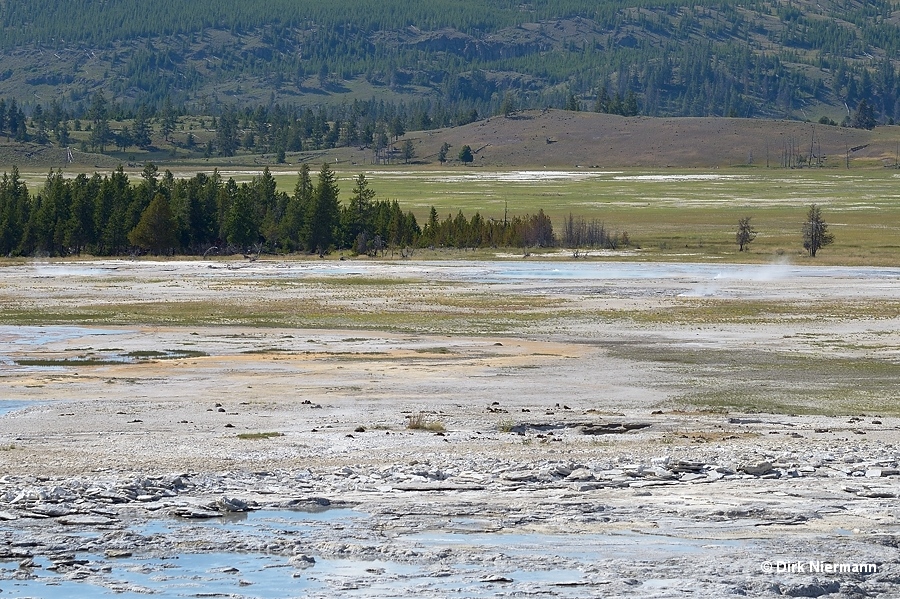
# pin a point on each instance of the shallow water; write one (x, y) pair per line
(43, 335)
(529, 270)
(492, 271)
(520, 562)
(10, 405)
(257, 521)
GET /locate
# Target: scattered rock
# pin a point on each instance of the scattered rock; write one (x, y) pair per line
(613, 428)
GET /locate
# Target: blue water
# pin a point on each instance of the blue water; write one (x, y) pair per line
(563, 565)
(11, 405)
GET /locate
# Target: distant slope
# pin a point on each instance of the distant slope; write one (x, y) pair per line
(748, 58)
(582, 139)
(556, 139)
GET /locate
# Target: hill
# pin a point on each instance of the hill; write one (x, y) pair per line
(437, 63)
(557, 138)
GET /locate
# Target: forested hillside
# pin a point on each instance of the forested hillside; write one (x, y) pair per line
(442, 64)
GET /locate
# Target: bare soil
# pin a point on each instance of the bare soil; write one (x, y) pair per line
(580, 413)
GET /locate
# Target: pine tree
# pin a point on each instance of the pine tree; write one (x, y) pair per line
(100, 119)
(14, 211)
(815, 232)
(241, 225)
(745, 233)
(409, 151)
(324, 212)
(359, 212)
(465, 155)
(155, 231)
(169, 119)
(603, 101)
(140, 135)
(226, 134)
(294, 225)
(864, 117)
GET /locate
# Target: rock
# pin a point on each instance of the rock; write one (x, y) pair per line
(233, 504)
(61, 561)
(756, 468)
(582, 487)
(438, 486)
(303, 561)
(876, 493)
(687, 466)
(658, 472)
(87, 520)
(580, 474)
(519, 476)
(562, 470)
(815, 589)
(194, 513)
(27, 563)
(496, 579)
(79, 574)
(117, 553)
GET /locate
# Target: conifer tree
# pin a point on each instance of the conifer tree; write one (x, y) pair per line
(155, 232)
(324, 213)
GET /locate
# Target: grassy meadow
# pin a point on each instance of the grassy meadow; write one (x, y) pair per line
(668, 214)
(689, 213)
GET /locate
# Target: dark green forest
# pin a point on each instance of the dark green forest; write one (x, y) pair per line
(109, 215)
(443, 64)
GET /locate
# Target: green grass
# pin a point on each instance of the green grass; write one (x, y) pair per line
(753, 380)
(681, 215)
(146, 353)
(258, 436)
(54, 362)
(413, 313)
(696, 311)
(169, 354)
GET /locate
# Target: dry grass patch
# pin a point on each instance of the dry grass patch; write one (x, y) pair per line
(420, 422)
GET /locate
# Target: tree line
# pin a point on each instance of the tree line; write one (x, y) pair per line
(111, 215)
